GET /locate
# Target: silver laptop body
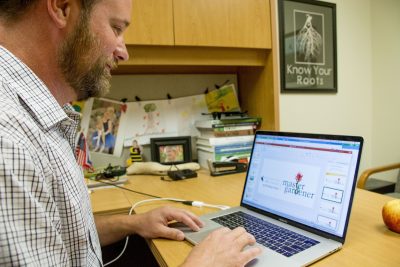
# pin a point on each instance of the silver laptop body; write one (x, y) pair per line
(300, 182)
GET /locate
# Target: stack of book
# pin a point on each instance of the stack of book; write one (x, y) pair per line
(226, 139)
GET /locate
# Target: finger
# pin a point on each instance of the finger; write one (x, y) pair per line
(218, 233)
(191, 220)
(250, 253)
(195, 218)
(237, 232)
(172, 233)
(223, 230)
(244, 239)
(173, 213)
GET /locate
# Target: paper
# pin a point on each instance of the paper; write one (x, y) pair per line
(103, 126)
(223, 99)
(162, 118)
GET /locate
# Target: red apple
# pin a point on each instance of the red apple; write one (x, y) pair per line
(391, 215)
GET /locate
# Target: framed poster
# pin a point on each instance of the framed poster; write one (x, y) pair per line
(307, 35)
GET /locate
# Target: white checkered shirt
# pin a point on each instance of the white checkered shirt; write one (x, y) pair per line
(45, 213)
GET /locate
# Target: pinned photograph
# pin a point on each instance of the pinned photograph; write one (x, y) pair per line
(103, 126)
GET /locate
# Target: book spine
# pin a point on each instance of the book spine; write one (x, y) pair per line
(235, 124)
(233, 133)
(226, 122)
(203, 154)
(228, 131)
(231, 140)
(234, 127)
(239, 121)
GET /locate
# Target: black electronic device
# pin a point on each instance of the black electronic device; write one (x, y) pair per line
(226, 167)
(182, 174)
(111, 172)
(226, 114)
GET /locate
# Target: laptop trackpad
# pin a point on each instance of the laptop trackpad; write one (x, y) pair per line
(196, 237)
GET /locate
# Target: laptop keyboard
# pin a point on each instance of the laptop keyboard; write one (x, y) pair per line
(279, 239)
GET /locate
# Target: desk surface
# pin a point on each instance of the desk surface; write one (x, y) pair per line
(368, 241)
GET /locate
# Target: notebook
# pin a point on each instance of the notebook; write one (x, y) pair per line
(296, 199)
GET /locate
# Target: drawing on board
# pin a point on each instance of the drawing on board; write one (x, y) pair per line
(223, 99)
(151, 119)
(162, 118)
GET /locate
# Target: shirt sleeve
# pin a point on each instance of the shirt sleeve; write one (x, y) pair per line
(29, 220)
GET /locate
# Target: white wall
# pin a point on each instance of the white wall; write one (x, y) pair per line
(386, 82)
(367, 86)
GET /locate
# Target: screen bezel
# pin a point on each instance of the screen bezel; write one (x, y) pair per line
(290, 221)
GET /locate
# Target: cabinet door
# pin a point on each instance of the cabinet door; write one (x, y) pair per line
(224, 23)
(152, 23)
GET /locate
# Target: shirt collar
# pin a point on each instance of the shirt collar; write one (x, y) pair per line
(31, 90)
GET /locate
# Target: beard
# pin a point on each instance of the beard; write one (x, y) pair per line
(88, 78)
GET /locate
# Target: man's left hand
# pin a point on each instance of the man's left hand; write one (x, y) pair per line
(154, 224)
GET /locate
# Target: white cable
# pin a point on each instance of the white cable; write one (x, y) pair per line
(194, 204)
(130, 213)
(154, 199)
(221, 207)
(202, 204)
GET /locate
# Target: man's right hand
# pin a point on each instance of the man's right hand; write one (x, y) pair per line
(223, 248)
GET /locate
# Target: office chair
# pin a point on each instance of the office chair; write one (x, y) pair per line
(367, 182)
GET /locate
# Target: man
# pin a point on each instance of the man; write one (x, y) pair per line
(53, 52)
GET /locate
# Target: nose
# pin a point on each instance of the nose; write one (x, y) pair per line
(121, 53)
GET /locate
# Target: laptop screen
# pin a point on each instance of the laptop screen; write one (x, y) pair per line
(305, 178)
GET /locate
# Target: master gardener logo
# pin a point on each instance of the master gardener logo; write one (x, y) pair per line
(299, 176)
(297, 187)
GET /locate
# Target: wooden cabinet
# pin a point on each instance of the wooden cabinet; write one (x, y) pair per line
(210, 36)
(152, 23)
(223, 23)
(217, 23)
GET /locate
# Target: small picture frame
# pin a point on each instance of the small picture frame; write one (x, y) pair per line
(171, 150)
(307, 37)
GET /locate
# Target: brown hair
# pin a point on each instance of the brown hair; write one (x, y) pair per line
(12, 10)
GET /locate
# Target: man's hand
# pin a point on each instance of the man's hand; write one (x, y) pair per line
(154, 223)
(223, 248)
(151, 224)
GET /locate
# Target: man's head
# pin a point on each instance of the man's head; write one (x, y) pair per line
(87, 76)
(85, 57)
(87, 50)
(12, 10)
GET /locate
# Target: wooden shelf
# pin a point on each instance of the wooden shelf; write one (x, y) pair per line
(194, 56)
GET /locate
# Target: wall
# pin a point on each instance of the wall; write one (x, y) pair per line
(353, 110)
(386, 86)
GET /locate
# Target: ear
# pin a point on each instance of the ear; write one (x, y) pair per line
(59, 11)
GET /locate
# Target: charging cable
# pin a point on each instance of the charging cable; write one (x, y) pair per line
(202, 204)
(198, 204)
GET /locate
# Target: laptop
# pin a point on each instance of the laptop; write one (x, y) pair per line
(296, 199)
